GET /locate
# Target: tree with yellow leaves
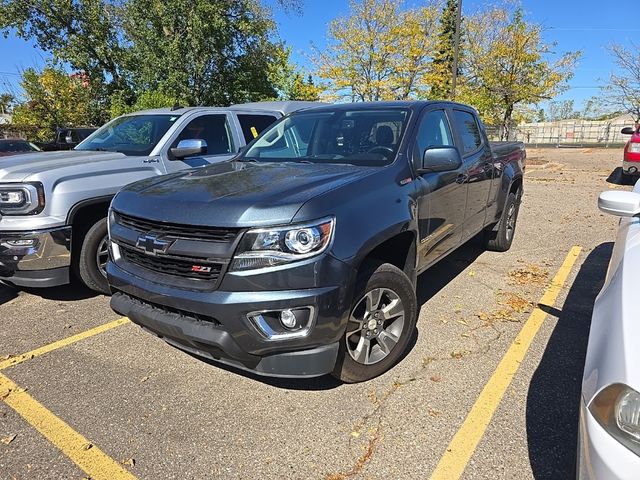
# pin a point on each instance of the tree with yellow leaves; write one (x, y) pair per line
(379, 52)
(507, 66)
(53, 99)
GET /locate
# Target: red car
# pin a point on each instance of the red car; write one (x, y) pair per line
(631, 159)
(14, 146)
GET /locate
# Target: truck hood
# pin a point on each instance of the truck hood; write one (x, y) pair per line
(18, 168)
(234, 194)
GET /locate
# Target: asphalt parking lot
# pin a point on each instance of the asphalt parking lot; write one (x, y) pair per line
(490, 388)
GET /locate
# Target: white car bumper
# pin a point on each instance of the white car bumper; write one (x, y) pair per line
(600, 456)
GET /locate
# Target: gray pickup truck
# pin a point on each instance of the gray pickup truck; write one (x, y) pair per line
(300, 257)
(53, 205)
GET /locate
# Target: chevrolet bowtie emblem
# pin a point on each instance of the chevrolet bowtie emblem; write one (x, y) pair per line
(152, 245)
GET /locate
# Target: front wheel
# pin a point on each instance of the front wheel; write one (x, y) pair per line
(380, 326)
(92, 260)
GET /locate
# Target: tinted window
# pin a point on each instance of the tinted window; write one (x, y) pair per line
(17, 146)
(130, 134)
(433, 131)
(213, 129)
(343, 136)
(469, 131)
(253, 125)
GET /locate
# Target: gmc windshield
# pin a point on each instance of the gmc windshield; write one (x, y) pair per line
(366, 137)
(134, 135)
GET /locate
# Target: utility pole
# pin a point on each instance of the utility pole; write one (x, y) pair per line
(456, 52)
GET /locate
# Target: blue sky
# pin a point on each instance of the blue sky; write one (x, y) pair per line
(585, 25)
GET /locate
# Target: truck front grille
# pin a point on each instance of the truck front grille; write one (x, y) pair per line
(211, 234)
(171, 265)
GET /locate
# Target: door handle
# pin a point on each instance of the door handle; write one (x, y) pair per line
(462, 178)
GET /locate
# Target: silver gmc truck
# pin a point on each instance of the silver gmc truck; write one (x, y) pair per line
(53, 205)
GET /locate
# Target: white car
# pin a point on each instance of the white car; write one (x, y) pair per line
(609, 434)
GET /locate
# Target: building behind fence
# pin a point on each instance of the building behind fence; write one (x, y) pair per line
(571, 133)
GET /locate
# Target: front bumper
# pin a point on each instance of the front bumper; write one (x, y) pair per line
(215, 324)
(39, 258)
(600, 456)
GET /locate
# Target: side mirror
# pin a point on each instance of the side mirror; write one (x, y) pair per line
(621, 204)
(628, 131)
(186, 148)
(440, 159)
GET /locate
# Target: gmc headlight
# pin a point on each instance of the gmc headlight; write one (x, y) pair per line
(269, 247)
(21, 198)
(617, 410)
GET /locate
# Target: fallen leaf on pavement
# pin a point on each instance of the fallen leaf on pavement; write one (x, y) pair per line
(9, 439)
(129, 462)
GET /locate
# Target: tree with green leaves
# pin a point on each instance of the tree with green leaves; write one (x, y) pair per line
(53, 99)
(441, 67)
(201, 52)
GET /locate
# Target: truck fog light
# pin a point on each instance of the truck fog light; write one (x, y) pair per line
(22, 242)
(288, 318)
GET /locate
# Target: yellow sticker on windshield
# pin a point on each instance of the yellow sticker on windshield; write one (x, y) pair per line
(254, 132)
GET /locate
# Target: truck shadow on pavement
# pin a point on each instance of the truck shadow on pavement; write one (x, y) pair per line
(554, 392)
(429, 284)
(64, 293)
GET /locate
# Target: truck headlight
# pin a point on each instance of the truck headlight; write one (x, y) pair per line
(21, 198)
(268, 247)
(617, 409)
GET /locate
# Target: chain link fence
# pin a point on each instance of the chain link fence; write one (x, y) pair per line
(569, 133)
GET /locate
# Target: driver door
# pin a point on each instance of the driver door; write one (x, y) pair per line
(442, 196)
(215, 129)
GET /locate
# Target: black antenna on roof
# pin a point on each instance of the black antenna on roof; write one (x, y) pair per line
(176, 106)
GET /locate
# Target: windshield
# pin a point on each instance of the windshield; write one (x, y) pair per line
(135, 135)
(367, 137)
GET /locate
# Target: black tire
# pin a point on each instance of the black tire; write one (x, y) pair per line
(87, 267)
(500, 240)
(392, 283)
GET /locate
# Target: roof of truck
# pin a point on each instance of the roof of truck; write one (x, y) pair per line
(282, 107)
(414, 104)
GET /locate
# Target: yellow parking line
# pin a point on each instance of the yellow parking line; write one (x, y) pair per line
(81, 451)
(61, 343)
(459, 452)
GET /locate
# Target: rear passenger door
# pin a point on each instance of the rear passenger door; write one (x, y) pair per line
(213, 128)
(478, 169)
(441, 195)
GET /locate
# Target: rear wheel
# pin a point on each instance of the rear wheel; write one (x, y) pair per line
(93, 256)
(500, 240)
(380, 326)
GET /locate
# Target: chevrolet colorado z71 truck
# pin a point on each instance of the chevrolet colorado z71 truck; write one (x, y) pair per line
(299, 257)
(53, 205)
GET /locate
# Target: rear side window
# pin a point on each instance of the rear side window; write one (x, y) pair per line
(433, 132)
(253, 125)
(469, 131)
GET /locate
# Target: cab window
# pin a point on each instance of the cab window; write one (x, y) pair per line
(253, 125)
(213, 129)
(433, 132)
